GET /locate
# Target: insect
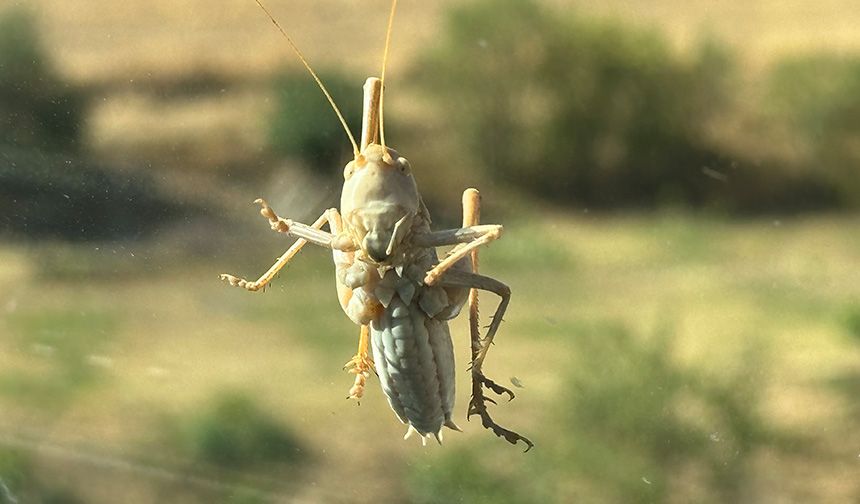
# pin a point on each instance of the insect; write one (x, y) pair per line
(391, 282)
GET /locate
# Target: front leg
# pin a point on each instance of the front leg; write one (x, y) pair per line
(305, 234)
(299, 230)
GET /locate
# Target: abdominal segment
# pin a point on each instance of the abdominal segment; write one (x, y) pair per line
(415, 362)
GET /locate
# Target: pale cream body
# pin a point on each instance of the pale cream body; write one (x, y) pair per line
(381, 284)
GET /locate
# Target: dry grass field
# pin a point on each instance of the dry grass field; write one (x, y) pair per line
(131, 47)
(133, 39)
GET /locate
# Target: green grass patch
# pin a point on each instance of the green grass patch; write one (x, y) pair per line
(852, 322)
(462, 475)
(631, 425)
(233, 432)
(529, 246)
(20, 482)
(56, 350)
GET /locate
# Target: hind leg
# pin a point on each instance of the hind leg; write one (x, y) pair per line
(479, 346)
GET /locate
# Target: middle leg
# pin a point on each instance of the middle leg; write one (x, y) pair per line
(360, 365)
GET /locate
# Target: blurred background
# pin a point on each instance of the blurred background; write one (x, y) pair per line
(680, 186)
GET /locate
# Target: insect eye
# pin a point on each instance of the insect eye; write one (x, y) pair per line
(403, 165)
(348, 171)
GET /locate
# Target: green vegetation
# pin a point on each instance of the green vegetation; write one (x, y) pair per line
(848, 383)
(664, 356)
(62, 351)
(644, 429)
(234, 432)
(610, 114)
(37, 109)
(20, 482)
(694, 407)
(304, 126)
(852, 321)
(593, 112)
(635, 427)
(463, 475)
(48, 186)
(819, 97)
(246, 497)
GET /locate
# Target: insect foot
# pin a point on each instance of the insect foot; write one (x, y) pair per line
(239, 282)
(478, 406)
(278, 224)
(360, 365)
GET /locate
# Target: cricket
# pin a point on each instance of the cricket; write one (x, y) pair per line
(390, 280)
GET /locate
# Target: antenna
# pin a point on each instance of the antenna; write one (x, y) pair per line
(382, 77)
(314, 75)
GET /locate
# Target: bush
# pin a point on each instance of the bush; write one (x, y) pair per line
(577, 110)
(818, 97)
(630, 425)
(463, 476)
(64, 196)
(304, 125)
(233, 432)
(649, 430)
(852, 321)
(37, 109)
(47, 188)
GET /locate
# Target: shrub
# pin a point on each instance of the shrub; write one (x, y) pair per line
(577, 110)
(463, 476)
(649, 430)
(233, 432)
(818, 97)
(63, 196)
(852, 321)
(304, 125)
(630, 425)
(37, 109)
(47, 188)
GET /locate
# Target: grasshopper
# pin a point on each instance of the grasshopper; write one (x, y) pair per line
(390, 280)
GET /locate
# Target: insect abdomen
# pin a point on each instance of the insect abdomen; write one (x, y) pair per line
(415, 362)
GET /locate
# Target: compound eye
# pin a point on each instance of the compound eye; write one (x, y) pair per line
(403, 165)
(348, 170)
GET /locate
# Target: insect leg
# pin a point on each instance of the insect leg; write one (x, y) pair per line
(472, 217)
(467, 240)
(477, 405)
(458, 278)
(297, 229)
(361, 365)
(305, 234)
(279, 264)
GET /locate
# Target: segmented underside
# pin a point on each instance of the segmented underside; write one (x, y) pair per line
(414, 359)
